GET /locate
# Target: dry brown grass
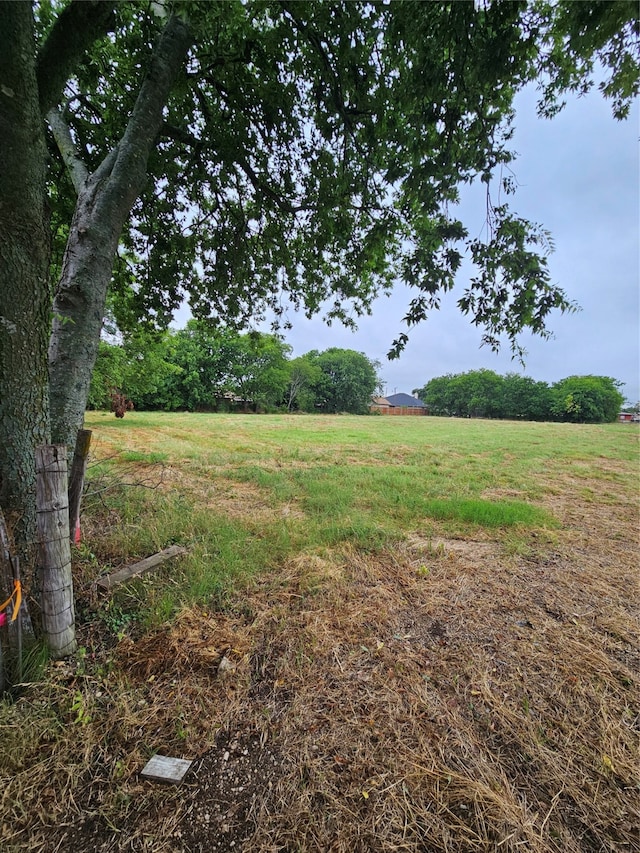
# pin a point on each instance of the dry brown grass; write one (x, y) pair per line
(446, 695)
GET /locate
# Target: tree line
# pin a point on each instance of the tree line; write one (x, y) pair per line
(208, 368)
(485, 394)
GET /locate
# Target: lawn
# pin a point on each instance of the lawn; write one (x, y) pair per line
(388, 634)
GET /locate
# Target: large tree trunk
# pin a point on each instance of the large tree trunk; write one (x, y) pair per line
(79, 306)
(104, 202)
(24, 260)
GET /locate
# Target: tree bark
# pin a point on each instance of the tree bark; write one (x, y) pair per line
(104, 202)
(75, 29)
(76, 482)
(24, 260)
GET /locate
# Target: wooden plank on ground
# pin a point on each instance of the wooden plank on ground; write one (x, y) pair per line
(162, 768)
(146, 565)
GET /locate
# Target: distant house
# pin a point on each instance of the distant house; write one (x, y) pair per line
(398, 404)
(627, 417)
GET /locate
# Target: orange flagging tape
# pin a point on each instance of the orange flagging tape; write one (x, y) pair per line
(17, 594)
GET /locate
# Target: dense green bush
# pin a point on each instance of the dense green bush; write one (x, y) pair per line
(587, 399)
(483, 393)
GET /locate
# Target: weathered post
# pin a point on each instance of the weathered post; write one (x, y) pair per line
(76, 482)
(14, 616)
(56, 584)
(6, 588)
(17, 613)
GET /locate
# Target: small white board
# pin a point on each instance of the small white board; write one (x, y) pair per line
(161, 768)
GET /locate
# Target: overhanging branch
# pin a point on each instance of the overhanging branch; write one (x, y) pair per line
(76, 28)
(144, 125)
(62, 135)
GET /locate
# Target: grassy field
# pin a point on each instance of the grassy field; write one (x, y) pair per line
(388, 634)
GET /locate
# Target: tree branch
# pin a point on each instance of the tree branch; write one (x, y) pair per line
(62, 135)
(263, 187)
(177, 134)
(77, 27)
(145, 123)
(313, 39)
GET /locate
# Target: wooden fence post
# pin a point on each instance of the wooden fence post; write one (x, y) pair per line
(56, 586)
(6, 588)
(76, 482)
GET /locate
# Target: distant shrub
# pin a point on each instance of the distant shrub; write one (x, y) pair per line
(120, 404)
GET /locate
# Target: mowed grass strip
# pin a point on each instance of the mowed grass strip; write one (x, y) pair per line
(314, 479)
(469, 454)
(247, 492)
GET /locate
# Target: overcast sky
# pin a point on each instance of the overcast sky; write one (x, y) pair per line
(579, 177)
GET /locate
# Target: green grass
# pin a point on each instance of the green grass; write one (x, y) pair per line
(254, 491)
(141, 456)
(489, 513)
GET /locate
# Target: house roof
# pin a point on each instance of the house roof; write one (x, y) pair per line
(405, 400)
(380, 401)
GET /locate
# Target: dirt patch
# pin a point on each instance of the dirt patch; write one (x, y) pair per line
(196, 643)
(229, 788)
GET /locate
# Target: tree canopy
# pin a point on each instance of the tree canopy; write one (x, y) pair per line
(208, 368)
(346, 381)
(312, 153)
(483, 393)
(587, 399)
